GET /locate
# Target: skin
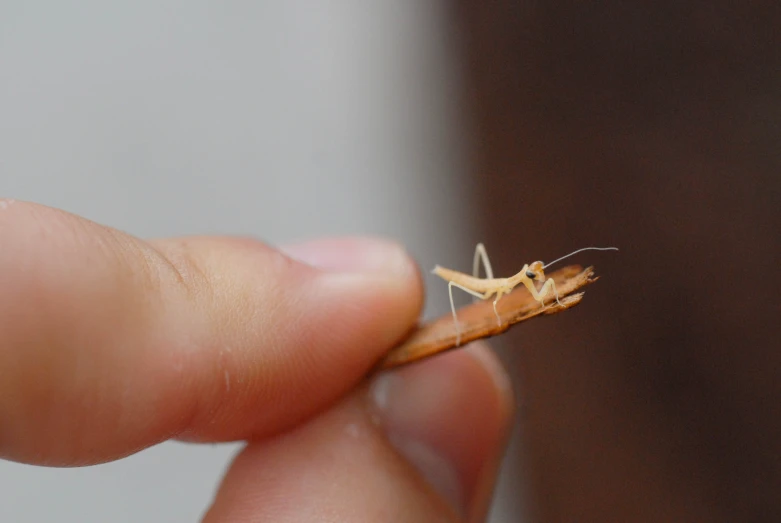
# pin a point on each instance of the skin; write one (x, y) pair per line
(111, 344)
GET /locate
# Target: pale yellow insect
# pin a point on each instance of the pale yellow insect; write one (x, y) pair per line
(484, 288)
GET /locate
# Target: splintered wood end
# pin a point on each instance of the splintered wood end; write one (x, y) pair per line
(479, 321)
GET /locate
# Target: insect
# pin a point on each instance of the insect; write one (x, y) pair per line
(484, 288)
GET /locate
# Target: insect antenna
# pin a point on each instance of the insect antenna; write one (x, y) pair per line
(580, 250)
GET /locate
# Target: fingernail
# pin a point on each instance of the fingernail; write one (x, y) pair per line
(399, 404)
(361, 255)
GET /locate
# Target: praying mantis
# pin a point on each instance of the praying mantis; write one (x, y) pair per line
(484, 288)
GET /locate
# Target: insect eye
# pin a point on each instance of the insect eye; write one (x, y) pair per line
(530, 275)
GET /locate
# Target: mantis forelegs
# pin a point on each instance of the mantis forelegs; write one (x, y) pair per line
(544, 291)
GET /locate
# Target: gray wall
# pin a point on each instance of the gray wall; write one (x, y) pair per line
(282, 120)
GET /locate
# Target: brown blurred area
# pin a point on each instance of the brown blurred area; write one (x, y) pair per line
(654, 127)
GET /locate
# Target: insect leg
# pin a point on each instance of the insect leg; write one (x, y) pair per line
(550, 285)
(480, 253)
(498, 318)
(450, 286)
(546, 288)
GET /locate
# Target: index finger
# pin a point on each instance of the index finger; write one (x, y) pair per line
(111, 344)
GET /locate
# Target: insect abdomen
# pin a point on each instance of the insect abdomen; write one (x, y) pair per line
(476, 284)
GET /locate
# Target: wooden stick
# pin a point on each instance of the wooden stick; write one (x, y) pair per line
(479, 321)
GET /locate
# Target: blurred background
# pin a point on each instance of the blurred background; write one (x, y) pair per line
(655, 127)
(536, 127)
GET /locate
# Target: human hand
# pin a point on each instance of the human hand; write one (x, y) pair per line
(111, 344)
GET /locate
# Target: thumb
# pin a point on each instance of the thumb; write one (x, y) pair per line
(111, 344)
(422, 443)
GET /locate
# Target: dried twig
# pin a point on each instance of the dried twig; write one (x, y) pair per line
(478, 320)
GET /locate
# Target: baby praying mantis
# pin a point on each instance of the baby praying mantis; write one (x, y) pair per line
(484, 288)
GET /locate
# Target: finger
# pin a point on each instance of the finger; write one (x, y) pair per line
(423, 445)
(110, 344)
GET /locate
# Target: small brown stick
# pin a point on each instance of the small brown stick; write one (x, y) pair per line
(484, 288)
(478, 320)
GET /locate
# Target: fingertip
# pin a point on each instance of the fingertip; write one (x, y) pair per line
(493, 367)
(364, 263)
(342, 303)
(368, 269)
(449, 416)
(421, 443)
